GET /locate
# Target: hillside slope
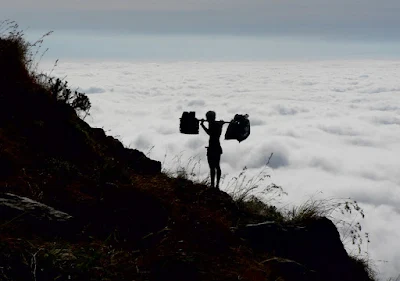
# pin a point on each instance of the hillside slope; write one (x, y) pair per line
(75, 204)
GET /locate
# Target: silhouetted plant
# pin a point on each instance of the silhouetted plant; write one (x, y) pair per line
(344, 213)
(27, 52)
(254, 205)
(243, 188)
(12, 39)
(61, 92)
(362, 264)
(189, 169)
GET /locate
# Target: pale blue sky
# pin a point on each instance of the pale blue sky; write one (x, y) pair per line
(173, 47)
(210, 29)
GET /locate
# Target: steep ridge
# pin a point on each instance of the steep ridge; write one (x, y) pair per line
(75, 204)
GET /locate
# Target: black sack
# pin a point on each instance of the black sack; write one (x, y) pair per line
(189, 124)
(239, 128)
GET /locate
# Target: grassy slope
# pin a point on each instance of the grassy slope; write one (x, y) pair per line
(131, 222)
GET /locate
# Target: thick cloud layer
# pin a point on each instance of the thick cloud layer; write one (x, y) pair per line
(333, 127)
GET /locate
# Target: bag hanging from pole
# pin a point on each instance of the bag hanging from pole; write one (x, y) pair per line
(239, 128)
(189, 124)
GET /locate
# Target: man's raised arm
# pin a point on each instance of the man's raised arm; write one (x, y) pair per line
(204, 127)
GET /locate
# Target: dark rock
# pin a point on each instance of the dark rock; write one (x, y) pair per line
(142, 164)
(289, 270)
(316, 245)
(34, 217)
(14, 203)
(132, 158)
(270, 236)
(98, 133)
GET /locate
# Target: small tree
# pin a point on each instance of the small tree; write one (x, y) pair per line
(61, 92)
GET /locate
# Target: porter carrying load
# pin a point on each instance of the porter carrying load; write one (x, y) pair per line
(238, 129)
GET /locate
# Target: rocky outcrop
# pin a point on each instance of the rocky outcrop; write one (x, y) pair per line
(33, 216)
(132, 158)
(316, 245)
(12, 206)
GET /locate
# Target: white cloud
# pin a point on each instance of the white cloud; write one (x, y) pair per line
(143, 143)
(196, 103)
(288, 110)
(340, 130)
(333, 126)
(380, 90)
(259, 155)
(93, 90)
(360, 141)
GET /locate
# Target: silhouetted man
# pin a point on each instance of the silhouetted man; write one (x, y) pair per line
(214, 149)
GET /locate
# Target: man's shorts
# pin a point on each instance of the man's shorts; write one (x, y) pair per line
(214, 155)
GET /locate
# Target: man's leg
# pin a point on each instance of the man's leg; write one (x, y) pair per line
(218, 175)
(218, 168)
(212, 174)
(211, 163)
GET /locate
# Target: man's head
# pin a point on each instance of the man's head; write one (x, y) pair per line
(210, 116)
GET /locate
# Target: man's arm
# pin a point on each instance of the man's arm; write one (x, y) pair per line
(204, 127)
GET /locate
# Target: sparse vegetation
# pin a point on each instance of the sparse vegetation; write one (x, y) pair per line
(16, 49)
(344, 213)
(364, 264)
(189, 169)
(61, 92)
(254, 205)
(61, 260)
(254, 195)
(243, 189)
(21, 50)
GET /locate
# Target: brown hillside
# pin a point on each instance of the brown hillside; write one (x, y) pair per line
(117, 217)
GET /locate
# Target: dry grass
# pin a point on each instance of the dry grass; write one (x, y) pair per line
(364, 264)
(346, 214)
(242, 188)
(30, 54)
